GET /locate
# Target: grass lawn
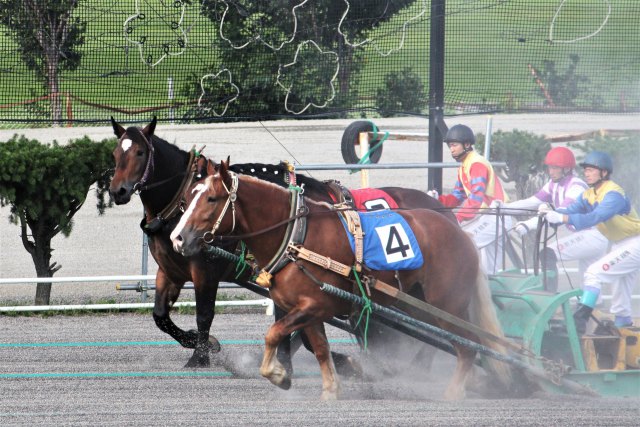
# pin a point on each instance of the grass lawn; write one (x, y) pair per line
(489, 46)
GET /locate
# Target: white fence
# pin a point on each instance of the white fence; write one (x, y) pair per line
(141, 279)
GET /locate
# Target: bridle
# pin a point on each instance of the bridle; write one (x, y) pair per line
(148, 170)
(209, 235)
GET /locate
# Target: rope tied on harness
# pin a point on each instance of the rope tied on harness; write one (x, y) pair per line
(366, 308)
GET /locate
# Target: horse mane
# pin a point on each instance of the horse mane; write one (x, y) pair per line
(276, 173)
(133, 130)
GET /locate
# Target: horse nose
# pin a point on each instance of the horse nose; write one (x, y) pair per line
(177, 242)
(119, 195)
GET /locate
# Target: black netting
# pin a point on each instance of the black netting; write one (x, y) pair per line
(214, 60)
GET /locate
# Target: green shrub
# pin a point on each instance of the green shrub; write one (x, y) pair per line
(403, 91)
(524, 154)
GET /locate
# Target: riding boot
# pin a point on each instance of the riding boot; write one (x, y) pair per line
(581, 317)
(585, 308)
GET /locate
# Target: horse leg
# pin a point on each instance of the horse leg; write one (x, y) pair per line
(206, 290)
(285, 348)
(346, 366)
(167, 293)
(271, 368)
(464, 363)
(318, 338)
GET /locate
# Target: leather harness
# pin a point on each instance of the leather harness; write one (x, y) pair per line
(174, 206)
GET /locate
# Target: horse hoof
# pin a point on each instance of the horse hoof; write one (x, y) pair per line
(285, 384)
(198, 361)
(349, 367)
(214, 345)
(328, 396)
(277, 376)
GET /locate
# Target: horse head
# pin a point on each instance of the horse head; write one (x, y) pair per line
(208, 202)
(133, 158)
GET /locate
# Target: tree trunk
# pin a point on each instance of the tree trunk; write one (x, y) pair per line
(40, 250)
(41, 258)
(54, 94)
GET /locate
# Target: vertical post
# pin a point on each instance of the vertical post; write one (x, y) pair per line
(170, 96)
(363, 139)
(436, 91)
(145, 267)
(487, 138)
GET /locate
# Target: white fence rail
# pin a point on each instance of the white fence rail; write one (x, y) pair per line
(265, 302)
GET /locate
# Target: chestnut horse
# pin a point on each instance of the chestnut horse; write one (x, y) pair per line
(153, 167)
(450, 277)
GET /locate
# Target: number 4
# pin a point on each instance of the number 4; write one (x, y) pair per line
(395, 243)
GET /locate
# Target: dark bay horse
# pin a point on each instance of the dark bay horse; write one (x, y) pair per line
(450, 276)
(156, 169)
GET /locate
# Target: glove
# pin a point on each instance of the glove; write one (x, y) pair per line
(433, 193)
(544, 208)
(521, 228)
(554, 217)
(495, 204)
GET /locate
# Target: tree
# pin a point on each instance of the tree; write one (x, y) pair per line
(524, 154)
(45, 186)
(48, 39)
(255, 42)
(563, 87)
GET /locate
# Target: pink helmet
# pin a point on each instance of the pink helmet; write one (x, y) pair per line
(560, 157)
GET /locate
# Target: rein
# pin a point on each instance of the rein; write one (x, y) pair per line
(274, 226)
(159, 183)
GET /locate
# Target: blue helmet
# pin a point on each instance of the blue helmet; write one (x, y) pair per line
(598, 159)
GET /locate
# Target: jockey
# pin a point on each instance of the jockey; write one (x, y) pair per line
(562, 189)
(605, 206)
(477, 188)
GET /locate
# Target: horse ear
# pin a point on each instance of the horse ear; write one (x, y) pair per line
(224, 171)
(117, 129)
(150, 128)
(211, 168)
(224, 167)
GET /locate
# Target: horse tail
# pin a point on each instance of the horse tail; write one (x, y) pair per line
(482, 312)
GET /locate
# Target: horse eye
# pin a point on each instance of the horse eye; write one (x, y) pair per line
(140, 153)
(211, 199)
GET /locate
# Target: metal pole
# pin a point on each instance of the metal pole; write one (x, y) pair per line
(145, 267)
(170, 96)
(436, 91)
(363, 139)
(487, 138)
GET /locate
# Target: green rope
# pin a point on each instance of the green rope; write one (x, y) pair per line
(241, 264)
(366, 308)
(366, 158)
(295, 188)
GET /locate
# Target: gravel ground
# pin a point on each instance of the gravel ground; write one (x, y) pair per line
(119, 369)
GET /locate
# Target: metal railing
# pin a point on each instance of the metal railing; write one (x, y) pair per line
(140, 286)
